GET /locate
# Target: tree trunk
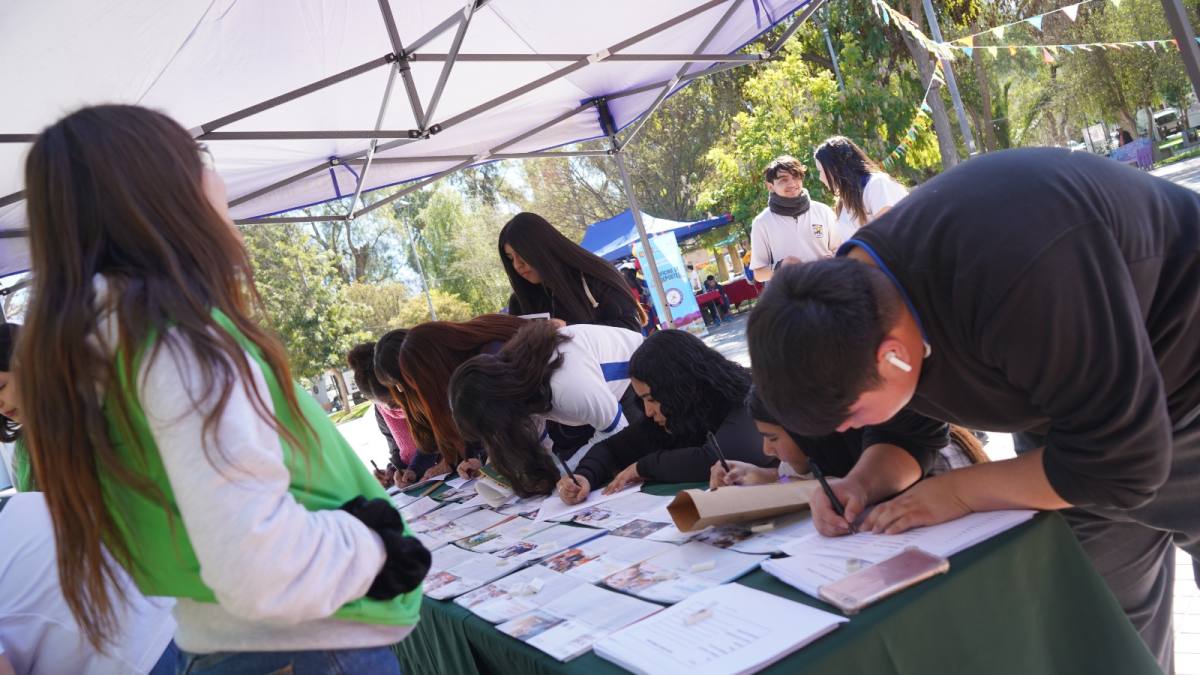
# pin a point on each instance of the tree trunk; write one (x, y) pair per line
(985, 90)
(941, 120)
(738, 268)
(344, 391)
(722, 268)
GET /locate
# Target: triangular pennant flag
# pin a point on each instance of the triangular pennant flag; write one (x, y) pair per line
(1035, 21)
(1012, 51)
(992, 51)
(1034, 50)
(912, 134)
(1173, 42)
(1053, 49)
(884, 14)
(925, 107)
(968, 51)
(998, 31)
(1071, 11)
(968, 41)
(1068, 48)
(1047, 56)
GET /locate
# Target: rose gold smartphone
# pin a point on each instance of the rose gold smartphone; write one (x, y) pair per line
(872, 584)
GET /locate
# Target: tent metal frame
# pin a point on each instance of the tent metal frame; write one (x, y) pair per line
(399, 61)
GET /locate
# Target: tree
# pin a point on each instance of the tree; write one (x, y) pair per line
(303, 296)
(383, 305)
(363, 250)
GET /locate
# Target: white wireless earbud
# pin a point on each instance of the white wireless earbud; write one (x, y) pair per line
(900, 363)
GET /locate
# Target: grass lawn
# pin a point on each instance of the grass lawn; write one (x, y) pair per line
(351, 414)
(1178, 157)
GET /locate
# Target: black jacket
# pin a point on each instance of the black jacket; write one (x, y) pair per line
(615, 307)
(916, 434)
(662, 458)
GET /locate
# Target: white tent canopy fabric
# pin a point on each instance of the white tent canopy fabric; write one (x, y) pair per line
(292, 96)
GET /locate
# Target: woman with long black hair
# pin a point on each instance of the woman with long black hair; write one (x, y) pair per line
(575, 375)
(552, 274)
(864, 191)
(689, 390)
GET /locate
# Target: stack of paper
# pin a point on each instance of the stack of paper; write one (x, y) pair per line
(544, 543)
(569, 625)
(725, 630)
(599, 558)
(518, 593)
(682, 571)
(455, 571)
(503, 535)
(816, 560)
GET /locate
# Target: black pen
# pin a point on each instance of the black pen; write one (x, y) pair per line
(565, 468)
(712, 441)
(837, 506)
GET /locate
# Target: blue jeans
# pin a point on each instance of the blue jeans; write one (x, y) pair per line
(372, 660)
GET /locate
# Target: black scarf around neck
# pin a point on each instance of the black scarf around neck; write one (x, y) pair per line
(789, 206)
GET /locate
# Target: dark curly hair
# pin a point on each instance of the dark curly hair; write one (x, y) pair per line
(694, 384)
(494, 399)
(9, 429)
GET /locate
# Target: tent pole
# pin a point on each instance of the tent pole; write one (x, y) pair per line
(412, 239)
(442, 27)
(567, 70)
(362, 176)
(203, 130)
(283, 183)
(451, 56)
(636, 210)
(410, 87)
(674, 82)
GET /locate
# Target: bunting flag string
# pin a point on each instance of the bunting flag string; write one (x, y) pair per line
(888, 15)
(920, 113)
(1052, 50)
(1035, 21)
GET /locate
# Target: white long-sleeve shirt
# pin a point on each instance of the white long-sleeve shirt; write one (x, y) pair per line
(278, 570)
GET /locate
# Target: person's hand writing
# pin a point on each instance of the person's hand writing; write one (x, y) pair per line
(405, 478)
(740, 473)
(470, 468)
(929, 502)
(853, 498)
(628, 476)
(439, 469)
(571, 492)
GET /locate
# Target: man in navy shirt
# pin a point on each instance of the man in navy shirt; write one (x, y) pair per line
(1034, 291)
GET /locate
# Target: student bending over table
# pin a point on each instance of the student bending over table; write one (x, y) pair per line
(407, 462)
(841, 455)
(577, 375)
(417, 364)
(165, 427)
(688, 390)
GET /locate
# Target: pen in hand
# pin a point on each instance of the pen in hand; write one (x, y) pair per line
(566, 469)
(712, 443)
(837, 505)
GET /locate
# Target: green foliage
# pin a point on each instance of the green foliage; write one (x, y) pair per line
(303, 296)
(449, 307)
(382, 303)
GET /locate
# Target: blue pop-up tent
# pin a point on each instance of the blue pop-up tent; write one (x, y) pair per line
(613, 239)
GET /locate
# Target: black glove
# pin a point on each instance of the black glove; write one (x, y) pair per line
(407, 559)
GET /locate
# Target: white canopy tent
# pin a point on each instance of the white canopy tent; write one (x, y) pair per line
(307, 101)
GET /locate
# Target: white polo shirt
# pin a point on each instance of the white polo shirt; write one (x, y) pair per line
(588, 386)
(809, 236)
(38, 634)
(881, 192)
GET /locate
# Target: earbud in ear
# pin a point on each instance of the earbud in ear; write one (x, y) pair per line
(900, 363)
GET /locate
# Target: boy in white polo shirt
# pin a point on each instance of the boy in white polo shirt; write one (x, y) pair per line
(792, 228)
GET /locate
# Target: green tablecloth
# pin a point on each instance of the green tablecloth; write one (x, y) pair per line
(1025, 602)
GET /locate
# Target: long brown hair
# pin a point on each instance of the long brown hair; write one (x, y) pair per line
(495, 397)
(421, 361)
(116, 193)
(564, 267)
(847, 168)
